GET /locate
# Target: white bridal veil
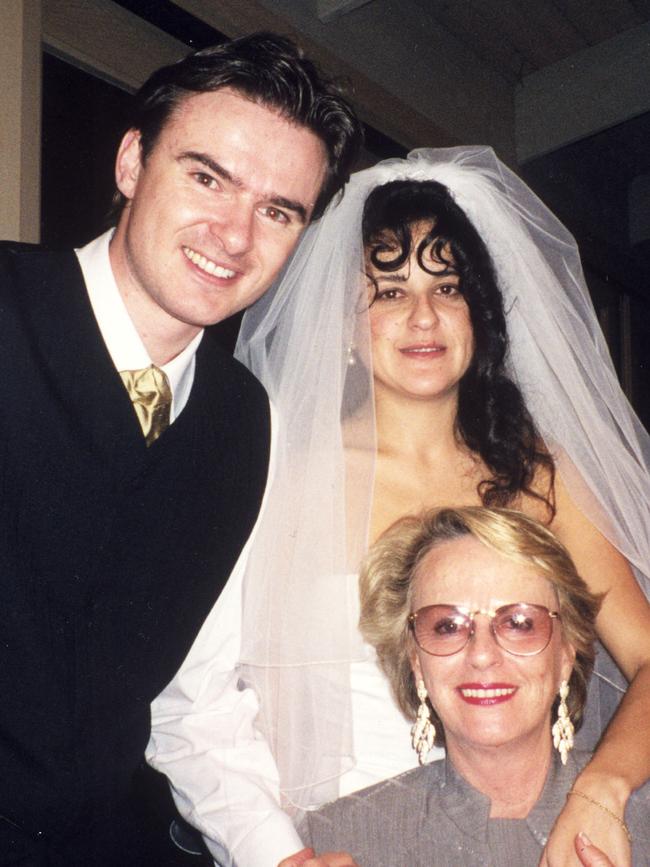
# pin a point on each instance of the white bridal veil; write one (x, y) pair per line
(307, 341)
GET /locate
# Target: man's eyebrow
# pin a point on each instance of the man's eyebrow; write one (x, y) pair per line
(279, 201)
(299, 210)
(211, 164)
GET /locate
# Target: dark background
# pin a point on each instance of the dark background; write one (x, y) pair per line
(585, 184)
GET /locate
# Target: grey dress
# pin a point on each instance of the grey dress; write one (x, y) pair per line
(431, 817)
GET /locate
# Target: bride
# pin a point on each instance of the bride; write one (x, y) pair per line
(430, 343)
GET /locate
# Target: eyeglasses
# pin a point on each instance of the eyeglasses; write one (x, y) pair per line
(520, 629)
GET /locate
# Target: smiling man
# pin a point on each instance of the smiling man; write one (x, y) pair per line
(135, 450)
(212, 213)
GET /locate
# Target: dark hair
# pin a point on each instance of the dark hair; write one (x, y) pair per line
(492, 418)
(270, 70)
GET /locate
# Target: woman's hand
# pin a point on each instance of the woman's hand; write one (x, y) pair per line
(307, 858)
(582, 817)
(621, 762)
(589, 855)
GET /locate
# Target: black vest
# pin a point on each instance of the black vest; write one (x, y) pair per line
(111, 553)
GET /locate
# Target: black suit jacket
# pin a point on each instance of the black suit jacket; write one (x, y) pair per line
(111, 556)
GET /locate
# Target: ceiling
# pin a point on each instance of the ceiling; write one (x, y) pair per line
(446, 72)
(517, 37)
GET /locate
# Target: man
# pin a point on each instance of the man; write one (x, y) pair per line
(134, 450)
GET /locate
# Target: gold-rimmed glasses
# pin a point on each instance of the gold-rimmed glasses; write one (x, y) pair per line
(519, 628)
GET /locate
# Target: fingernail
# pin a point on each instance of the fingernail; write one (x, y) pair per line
(584, 839)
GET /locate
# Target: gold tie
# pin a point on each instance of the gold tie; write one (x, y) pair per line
(151, 397)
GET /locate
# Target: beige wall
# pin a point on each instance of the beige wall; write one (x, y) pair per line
(20, 120)
(95, 35)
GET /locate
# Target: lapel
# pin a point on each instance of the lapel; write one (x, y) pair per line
(467, 808)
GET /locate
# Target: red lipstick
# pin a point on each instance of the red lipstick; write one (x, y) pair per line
(486, 694)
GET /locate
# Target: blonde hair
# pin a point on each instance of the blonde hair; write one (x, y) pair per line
(387, 580)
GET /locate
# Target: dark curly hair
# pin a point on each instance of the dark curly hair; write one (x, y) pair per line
(270, 70)
(492, 419)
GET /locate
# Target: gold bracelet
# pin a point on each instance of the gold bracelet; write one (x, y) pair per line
(606, 809)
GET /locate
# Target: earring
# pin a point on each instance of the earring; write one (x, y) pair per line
(352, 355)
(423, 732)
(562, 730)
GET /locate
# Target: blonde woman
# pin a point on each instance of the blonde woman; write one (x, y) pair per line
(486, 633)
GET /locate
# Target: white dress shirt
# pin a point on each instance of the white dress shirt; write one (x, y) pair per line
(120, 334)
(223, 775)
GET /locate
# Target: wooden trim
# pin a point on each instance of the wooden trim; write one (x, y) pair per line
(583, 94)
(20, 120)
(328, 10)
(107, 40)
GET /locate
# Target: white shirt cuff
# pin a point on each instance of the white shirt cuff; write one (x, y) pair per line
(272, 840)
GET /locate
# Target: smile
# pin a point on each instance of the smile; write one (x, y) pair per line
(486, 695)
(423, 351)
(208, 265)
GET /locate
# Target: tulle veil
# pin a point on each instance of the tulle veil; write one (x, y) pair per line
(307, 341)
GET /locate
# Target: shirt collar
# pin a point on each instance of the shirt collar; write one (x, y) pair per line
(469, 809)
(120, 335)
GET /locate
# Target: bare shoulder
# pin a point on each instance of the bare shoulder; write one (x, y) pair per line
(582, 525)
(580, 522)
